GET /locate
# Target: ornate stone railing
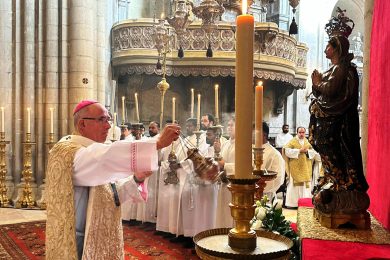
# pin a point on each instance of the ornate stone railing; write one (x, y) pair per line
(277, 55)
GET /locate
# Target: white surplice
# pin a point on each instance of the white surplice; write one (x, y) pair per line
(169, 198)
(273, 161)
(198, 205)
(224, 218)
(282, 139)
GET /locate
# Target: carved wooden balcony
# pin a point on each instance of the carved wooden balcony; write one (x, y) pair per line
(277, 55)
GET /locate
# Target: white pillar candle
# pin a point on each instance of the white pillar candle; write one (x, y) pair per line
(28, 120)
(216, 100)
(198, 114)
(192, 103)
(2, 120)
(173, 110)
(259, 115)
(51, 120)
(136, 106)
(244, 94)
(123, 111)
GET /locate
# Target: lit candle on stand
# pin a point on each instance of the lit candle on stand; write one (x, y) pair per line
(216, 100)
(198, 114)
(28, 120)
(259, 115)
(123, 110)
(136, 106)
(2, 120)
(51, 120)
(244, 94)
(192, 103)
(173, 110)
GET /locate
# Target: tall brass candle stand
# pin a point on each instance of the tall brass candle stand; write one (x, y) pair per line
(27, 199)
(241, 242)
(218, 133)
(42, 202)
(5, 201)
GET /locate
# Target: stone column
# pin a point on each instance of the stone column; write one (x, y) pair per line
(368, 9)
(50, 11)
(81, 53)
(100, 51)
(63, 66)
(6, 50)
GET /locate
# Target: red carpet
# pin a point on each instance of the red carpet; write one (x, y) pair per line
(27, 241)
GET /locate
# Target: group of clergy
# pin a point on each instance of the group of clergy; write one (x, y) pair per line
(186, 204)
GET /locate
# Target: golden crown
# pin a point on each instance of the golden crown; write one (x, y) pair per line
(340, 25)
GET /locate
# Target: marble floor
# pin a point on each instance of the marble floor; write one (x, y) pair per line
(11, 216)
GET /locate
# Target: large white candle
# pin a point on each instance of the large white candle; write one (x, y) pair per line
(192, 103)
(198, 114)
(259, 115)
(136, 106)
(2, 120)
(244, 94)
(51, 120)
(216, 100)
(28, 120)
(173, 110)
(123, 110)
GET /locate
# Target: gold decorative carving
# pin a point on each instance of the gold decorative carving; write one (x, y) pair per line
(27, 199)
(5, 201)
(281, 59)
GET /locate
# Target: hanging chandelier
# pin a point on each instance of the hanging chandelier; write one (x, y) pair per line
(180, 21)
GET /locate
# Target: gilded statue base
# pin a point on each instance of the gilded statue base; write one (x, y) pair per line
(335, 208)
(359, 220)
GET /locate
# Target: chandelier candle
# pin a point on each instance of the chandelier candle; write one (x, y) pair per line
(136, 106)
(244, 94)
(173, 110)
(259, 115)
(123, 110)
(198, 115)
(192, 103)
(216, 100)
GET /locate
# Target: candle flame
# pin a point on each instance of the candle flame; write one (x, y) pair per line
(135, 94)
(162, 15)
(123, 97)
(244, 6)
(259, 83)
(216, 86)
(192, 90)
(173, 99)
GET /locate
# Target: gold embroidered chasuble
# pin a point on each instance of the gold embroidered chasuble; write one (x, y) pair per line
(299, 168)
(103, 232)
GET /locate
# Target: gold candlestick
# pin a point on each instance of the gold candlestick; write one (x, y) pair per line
(5, 201)
(27, 199)
(218, 133)
(242, 209)
(198, 134)
(42, 202)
